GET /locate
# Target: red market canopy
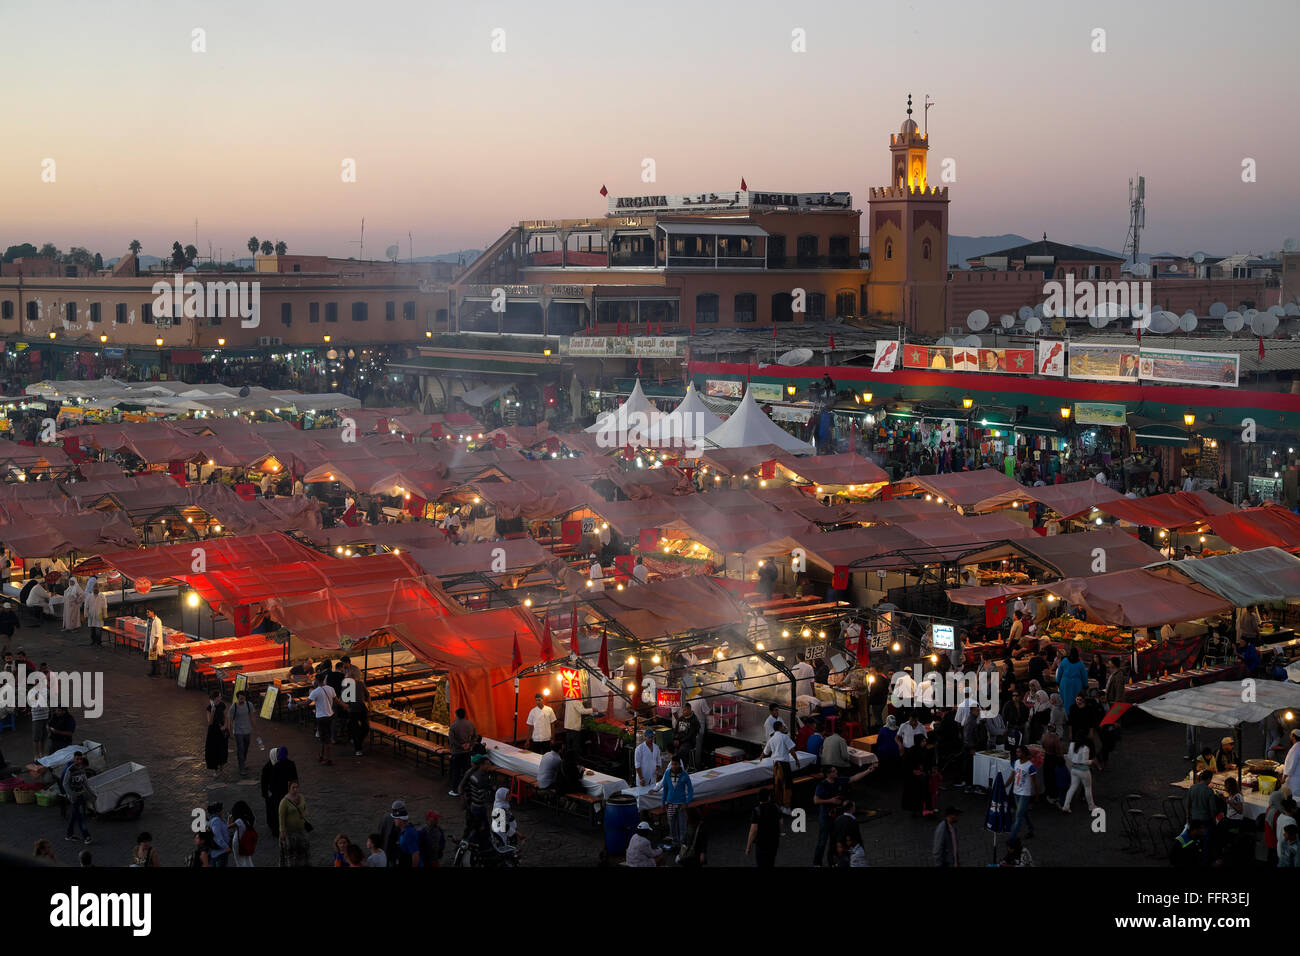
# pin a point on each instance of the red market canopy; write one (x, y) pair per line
(235, 587)
(1178, 509)
(1068, 500)
(844, 469)
(30, 535)
(1140, 597)
(172, 561)
(1075, 555)
(970, 490)
(1270, 526)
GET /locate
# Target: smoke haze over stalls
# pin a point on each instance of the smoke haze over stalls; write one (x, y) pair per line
(454, 142)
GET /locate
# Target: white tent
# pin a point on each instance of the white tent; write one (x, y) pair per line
(1221, 704)
(688, 423)
(748, 426)
(629, 423)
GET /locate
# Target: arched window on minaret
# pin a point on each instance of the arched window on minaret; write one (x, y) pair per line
(925, 249)
(889, 250)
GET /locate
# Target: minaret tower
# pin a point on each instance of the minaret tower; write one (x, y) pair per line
(909, 237)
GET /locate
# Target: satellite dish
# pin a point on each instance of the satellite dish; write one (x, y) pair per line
(391, 252)
(977, 321)
(1141, 269)
(1038, 310)
(1098, 321)
(1288, 245)
(972, 342)
(1232, 321)
(1188, 322)
(1173, 267)
(243, 392)
(795, 357)
(1025, 313)
(1198, 258)
(1007, 321)
(1033, 324)
(1262, 323)
(1162, 322)
(1058, 325)
(1276, 310)
(946, 342)
(1292, 309)
(1218, 310)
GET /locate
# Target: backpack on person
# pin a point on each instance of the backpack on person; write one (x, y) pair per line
(247, 841)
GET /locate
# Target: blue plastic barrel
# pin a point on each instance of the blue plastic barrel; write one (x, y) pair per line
(621, 818)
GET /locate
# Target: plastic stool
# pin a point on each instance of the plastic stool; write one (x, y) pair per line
(831, 721)
(852, 730)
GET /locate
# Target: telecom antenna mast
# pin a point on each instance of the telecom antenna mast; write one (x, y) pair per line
(1137, 221)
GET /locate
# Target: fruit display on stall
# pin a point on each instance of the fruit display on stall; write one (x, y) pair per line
(1086, 635)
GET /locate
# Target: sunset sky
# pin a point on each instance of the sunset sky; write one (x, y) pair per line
(454, 142)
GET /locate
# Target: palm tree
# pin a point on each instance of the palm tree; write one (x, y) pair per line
(281, 248)
(135, 247)
(191, 254)
(252, 245)
(267, 248)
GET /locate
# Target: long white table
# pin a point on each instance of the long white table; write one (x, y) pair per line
(720, 781)
(509, 757)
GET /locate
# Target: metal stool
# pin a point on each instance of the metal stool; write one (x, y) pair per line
(1161, 833)
(1132, 819)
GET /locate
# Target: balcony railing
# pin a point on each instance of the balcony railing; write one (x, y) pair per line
(720, 262)
(812, 262)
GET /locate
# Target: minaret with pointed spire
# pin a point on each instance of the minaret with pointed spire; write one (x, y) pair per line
(908, 149)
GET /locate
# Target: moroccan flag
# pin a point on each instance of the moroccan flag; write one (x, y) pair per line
(767, 469)
(516, 659)
(570, 532)
(603, 660)
(573, 631)
(995, 611)
(773, 330)
(435, 430)
(603, 190)
(547, 650)
(743, 187)
(498, 440)
(647, 539)
(840, 579)
(623, 567)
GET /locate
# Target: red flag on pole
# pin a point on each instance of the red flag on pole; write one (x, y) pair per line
(1261, 348)
(573, 632)
(743, 187)
(832, 340)
(603, 190)
(547, 650)
(840, 579)
(603, 660)
(774, 330)
(995, 611)
(516, 659)
(638, 368)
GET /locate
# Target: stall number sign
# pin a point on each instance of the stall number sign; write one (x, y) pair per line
(269, 702)
(183, 675)
(669, 698)
(943, 637)
(814, 652)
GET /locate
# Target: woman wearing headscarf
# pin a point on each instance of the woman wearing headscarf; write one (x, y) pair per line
(278, 772)
(1056, 715)
(241, 822)
(1275, 810)
(887, 744)
(73, 599)
(507, 827)
(216, 746)
(1071, 678)
(1040, 710)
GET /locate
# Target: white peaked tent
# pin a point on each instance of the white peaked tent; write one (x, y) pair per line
(748, 426)
(688, 423)
(634, 415)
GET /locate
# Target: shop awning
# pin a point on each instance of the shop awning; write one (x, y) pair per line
(1220, 704)
(1179, 509)
(707, 227)
(665, 608)
(170, 561)
(843, 469)
(1075, 555)
(1247, 578)
(1068, 500)
(1140, 597)
(1270, 526)
(968, 489)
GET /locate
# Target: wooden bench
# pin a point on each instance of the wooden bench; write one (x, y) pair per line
(707, 802)
(580, 803)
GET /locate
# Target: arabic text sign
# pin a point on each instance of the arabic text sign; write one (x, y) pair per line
(733, 199)
(1192, 368)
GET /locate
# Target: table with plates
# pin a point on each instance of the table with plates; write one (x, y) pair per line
(508, 757)
(1254, 803)
(717, 782)
(410, 723)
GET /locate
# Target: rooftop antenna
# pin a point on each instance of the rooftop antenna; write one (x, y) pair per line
(361, 253)
(410, 246)
(926, 115)
(1137, 221)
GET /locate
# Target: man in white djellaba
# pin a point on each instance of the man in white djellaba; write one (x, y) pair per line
(73, 599)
